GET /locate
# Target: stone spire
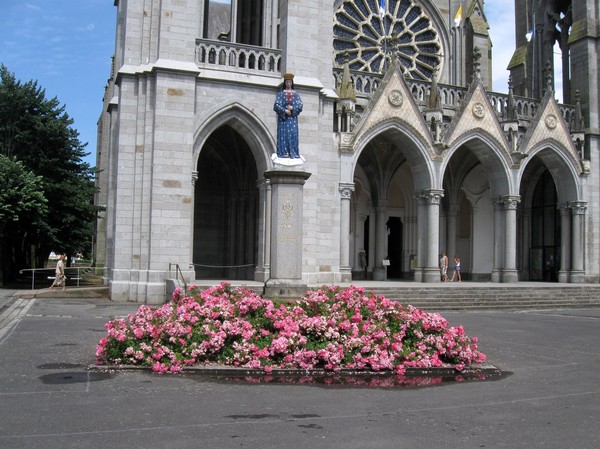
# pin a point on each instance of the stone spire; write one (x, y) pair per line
(511, 108)
(346, 89)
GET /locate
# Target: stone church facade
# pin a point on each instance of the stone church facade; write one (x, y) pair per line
(406, 150)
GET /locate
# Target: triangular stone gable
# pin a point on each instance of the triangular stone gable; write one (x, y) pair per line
(393, 100)
(549, 124)
(477, 113)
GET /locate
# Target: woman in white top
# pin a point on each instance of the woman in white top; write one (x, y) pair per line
(60, 278)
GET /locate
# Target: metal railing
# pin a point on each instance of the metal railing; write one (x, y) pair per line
(178, 275)
(76, 273)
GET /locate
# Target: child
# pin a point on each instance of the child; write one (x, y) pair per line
(456, 269)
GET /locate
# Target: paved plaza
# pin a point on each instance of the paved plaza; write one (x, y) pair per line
(548, 398)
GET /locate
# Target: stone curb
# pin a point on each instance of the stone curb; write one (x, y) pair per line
(214, 370)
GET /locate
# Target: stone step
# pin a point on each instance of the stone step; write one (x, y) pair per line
(471, 298)
(463, 296)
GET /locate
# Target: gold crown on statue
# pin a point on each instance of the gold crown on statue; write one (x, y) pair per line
(288, 76)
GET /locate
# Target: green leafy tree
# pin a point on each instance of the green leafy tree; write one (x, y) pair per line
(23, 209)
(38, 132)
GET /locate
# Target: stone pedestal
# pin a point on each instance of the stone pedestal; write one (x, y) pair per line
(287, 186)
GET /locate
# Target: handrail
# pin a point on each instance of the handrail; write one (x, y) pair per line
(67, 270)
(178, 273)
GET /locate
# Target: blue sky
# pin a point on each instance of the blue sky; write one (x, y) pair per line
(67, 45)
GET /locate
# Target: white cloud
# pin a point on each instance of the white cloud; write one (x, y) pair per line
(33, 7)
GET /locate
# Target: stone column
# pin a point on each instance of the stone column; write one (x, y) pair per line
(371, 237)
(379, 270)
(451, 233)
(565, 243)
(421, 236)
(509, 272)
(263, 268)
(286, 233)
(409, 243)
(346, 190)
(430, 199)
(498, 240)
(525, 242)
(578, 209)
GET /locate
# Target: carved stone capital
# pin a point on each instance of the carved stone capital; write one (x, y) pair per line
(429, 196)
(346, 189)
(578, 207)
(510, 202)
(346, 142)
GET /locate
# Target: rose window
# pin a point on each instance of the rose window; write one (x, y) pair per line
(370, 40)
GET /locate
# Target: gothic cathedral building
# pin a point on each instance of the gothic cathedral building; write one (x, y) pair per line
(405, 149)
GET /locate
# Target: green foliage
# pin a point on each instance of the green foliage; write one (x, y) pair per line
(21, 196)
(38, 133)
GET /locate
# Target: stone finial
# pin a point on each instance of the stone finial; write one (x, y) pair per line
(578, 122)
(346, 89)
(511, 107)
(434, 100)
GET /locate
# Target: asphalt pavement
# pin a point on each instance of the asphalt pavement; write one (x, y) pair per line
(548, 397)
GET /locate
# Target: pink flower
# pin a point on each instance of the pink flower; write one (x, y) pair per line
(347, 327)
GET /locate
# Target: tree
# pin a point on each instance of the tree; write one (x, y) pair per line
(23, 208)
(38, 133)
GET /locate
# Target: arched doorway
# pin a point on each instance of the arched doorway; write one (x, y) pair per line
(544, 251)
(468, 214)
(225, 208)
(384, 210)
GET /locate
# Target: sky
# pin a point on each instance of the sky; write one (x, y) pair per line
(67, 45)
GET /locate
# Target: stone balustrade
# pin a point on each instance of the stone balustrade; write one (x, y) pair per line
(238, 57)
(366, 84)
(267, 61)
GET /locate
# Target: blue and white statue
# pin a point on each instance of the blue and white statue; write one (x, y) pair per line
(288, 106)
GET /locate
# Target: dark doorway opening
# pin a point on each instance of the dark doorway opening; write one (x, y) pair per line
(544, 256)
(225, 208)
(394, 270)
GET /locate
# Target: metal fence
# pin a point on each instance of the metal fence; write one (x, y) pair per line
(76, 274)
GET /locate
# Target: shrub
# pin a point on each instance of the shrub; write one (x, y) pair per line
(329, 328)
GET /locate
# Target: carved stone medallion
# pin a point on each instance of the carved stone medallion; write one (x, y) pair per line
(395, 98)
(478, 110)
(551, 121)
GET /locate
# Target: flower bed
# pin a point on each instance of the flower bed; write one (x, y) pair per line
(330, 328)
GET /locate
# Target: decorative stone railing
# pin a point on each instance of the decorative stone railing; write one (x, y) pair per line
(238, 57)
(366, 83)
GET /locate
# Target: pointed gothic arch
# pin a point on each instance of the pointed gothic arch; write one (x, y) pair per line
(388, 151)
(231, 153)
(243, 121)
(475, 173)
(491, 154)
(408, 141)
(551, 233)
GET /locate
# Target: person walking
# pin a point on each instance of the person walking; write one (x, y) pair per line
(443, 267)
(59, 277)
(456, 271)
